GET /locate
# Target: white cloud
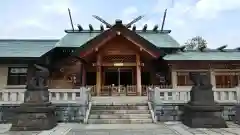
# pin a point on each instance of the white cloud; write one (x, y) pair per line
(41, 19)
(58, 7)
(130, 11)
(24, 24)
(161, 5)
(210, 9)
(201, 9)
(35, 23)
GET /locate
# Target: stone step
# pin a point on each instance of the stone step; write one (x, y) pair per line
(119, 107)
(119, 121)
(115, 103)
(120, 112)
(120, 116)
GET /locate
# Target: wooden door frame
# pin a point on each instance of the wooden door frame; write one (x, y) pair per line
(105, 69)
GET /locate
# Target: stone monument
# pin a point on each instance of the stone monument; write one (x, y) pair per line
(36, 113)
(201, 111)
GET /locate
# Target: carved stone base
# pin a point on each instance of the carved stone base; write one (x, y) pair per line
(237, 114)
(203, 117)
(37, 96)
(34, 117)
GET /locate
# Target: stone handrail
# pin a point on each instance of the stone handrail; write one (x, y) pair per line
(155, 94)
(78, 96)
(158, 95)
(150, 107)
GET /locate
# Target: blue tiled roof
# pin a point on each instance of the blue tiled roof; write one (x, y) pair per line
(161, 40)
(75, 39)
(25, 48)
(205, 55)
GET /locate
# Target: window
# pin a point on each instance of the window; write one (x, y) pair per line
(226, 80)
(183, 78)
(17, 76)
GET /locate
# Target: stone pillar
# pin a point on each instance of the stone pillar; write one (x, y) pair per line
(212, 77)
(98, 76)
(174, 79)
(30, 72)
(138, 75)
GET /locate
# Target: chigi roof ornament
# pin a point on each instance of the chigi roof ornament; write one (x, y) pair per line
(221, 48)
(79, 27)
(131, 25)
(238, 48)
(103, 21)
(108, 25)
(70, 16)
(182, 48)
(144, 28)
(163, 21)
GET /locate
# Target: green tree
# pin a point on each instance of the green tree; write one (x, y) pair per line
(196, 43)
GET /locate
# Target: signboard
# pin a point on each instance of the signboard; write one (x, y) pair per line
(118, 64)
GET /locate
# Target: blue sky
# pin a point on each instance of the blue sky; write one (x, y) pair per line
(215, 20)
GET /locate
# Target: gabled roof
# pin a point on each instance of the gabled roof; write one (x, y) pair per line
(118, 30)
(209, 54)
(159, 39)
(25, 48)
(76, 39)
(37, 48)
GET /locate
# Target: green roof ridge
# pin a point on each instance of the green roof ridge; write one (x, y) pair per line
(29, 40)
(136, 31)
(211, 54)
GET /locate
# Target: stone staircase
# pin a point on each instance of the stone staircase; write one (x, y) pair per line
(120, 114)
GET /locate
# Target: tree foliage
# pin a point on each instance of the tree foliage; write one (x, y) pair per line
(196, 43)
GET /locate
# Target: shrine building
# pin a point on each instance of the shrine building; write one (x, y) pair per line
(116, 61)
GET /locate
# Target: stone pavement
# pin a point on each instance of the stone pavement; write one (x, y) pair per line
(167, 128)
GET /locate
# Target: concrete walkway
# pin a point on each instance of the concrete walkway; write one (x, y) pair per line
(167, 128)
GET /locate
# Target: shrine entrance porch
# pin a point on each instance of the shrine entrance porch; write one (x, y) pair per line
(119, 90)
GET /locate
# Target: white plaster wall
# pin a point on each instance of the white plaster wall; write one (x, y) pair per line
(3, 76)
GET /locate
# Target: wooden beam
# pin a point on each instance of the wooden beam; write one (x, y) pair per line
(98, 44)
(140, 46)
(127, 64)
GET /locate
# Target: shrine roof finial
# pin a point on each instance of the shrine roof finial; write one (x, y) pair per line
(118, 21)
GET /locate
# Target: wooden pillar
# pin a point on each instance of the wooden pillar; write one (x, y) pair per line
(138, 75)
(133, 78)
(83, 75)
(103, 76)
(98, 76)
